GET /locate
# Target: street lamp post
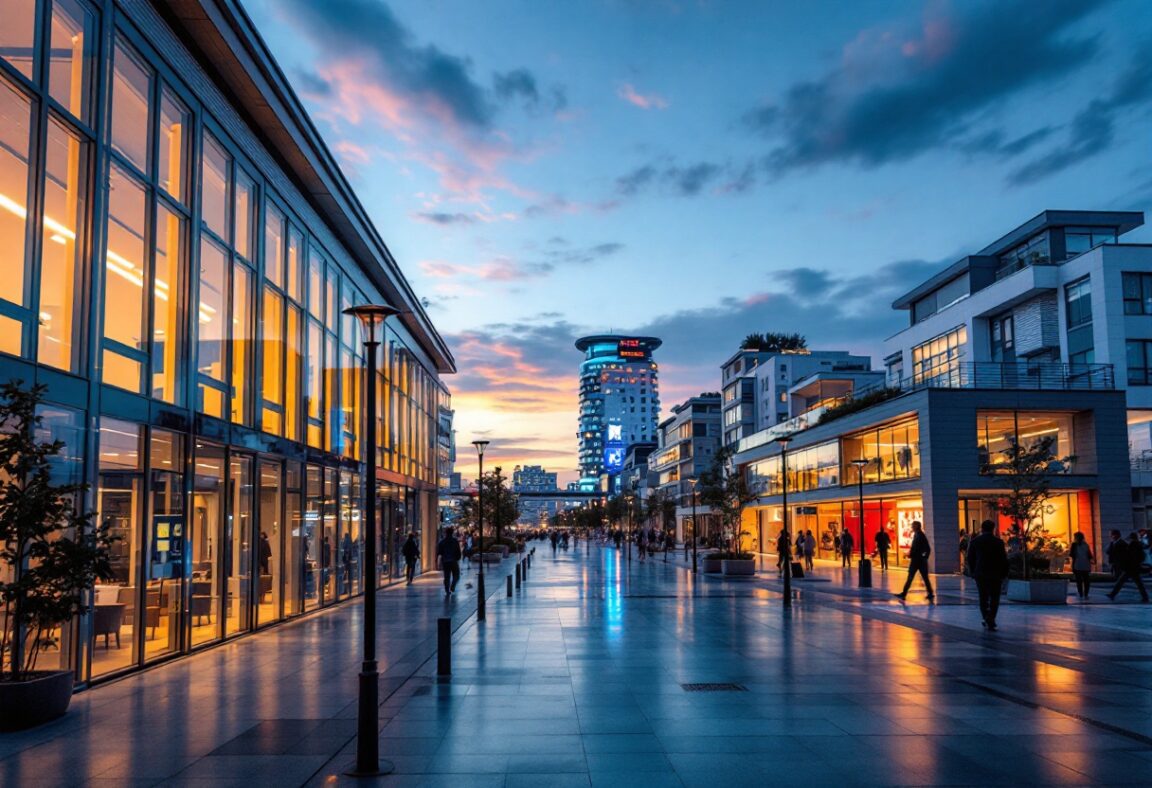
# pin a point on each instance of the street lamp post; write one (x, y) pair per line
(865, 565)
(695, 533)
(371, 317)
(787, 548)
(480, 611)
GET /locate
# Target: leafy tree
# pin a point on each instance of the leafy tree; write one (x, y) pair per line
(661, 507)
(727, 492)
(774, 342)
(1025, 471)
(501, 505)
(49, 551)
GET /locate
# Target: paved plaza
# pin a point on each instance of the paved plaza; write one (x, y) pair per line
(585, 678)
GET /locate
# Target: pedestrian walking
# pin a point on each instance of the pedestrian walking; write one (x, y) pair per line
(883, 542)
(411, 552)
(846, 545)
(1115, 552)
(964, 551)
(642, 543)
(801, 540)
(448, 551)
(918, 561)
(987, 562)
(1131, 561)
(809, 550)
(783, 550)
(1082, 560)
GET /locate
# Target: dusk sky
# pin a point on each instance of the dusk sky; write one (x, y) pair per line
(698, 170)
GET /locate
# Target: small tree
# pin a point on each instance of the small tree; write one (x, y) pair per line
(501, 505)
(1025, 472)
(49, 551)
(727, 493)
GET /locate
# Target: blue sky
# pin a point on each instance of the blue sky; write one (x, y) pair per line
(699, 170)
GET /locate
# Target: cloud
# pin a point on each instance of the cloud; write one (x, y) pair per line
(679, 180)
(1093, 129)
(446, 219)
(637, 99)
(897, 94)
(508, 270)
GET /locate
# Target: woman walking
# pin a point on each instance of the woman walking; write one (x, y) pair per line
(1082, 559)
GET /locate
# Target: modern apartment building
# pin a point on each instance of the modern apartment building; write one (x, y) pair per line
(178, 246)
(530, 479)
(619, 403)
(1041, 333)
(756, 385)
(688, 441)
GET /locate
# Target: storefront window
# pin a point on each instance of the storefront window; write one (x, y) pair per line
(312, 537)
(269, 546)
(996, 431)
(64, 194)
(119, 507)
(165, 546)
(207, 543)
(294, 559)
(330, 538)
(14, 137)
(238, 538)
(70, 55)
(131, 106)
(892, 451)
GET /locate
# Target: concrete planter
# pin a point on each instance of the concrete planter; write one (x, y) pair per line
(44, 697)
(1038, 592)
(492, 558)
(739, 567)
(709, 564)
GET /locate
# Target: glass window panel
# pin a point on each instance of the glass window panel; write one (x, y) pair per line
(315, 284)
(215, 163)
(131, 109)
(241, 343)
(14, 134)
(273, 346)
(212, 312)
(119, 508)
(268, 546)
(332, 418)
(295, 271)
(293, 365)
(175, 121)
(166, 334)
(64, 189)
(333, 290)
(120, 371)
(11, 335)
(69, 58)
(17, 34)
(205, 535)
(124, 284)
(311, 529)
(273, 245)
(238, 538)
(245, 207)
(294, 561)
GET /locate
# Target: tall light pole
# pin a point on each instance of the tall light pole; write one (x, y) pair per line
(695, 533)
(371, 317)
(865, 565)
(480, 611)
(787, 548)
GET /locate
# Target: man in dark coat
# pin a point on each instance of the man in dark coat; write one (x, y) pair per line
(448, 551)
(987, 562)
(411, 552)
(883, 542)
(1130, 559)
(918, 561)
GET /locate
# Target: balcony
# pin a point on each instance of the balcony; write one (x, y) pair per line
(1019, 375)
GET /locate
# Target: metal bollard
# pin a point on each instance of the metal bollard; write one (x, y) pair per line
(480, 611)
(443, 647)
(509, 579)
(517, 574)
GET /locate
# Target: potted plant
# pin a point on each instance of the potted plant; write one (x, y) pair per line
(727, 493)
(49, 555)
(1025, 472)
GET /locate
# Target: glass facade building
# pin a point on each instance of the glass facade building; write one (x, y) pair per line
(619, 402)
(176, 261)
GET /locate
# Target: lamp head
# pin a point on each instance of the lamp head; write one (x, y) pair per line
(371, 316)
(480, 446)
(784, 440)
(860, 462)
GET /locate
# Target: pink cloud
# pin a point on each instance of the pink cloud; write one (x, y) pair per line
(637, 99)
